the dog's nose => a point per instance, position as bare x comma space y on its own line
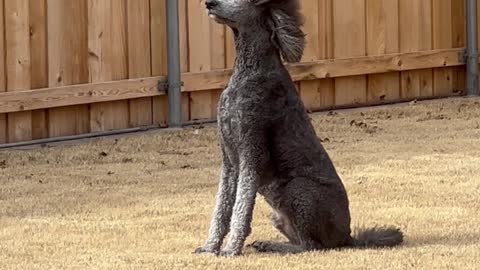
211, 4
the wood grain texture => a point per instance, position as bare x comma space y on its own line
21, 101
38, 43
206, 41
318, 94
310, 9
39, 66
139, 58
416, 35
18, 64
339, 67
230, 52
382, 38
218, 61
201, 81
350, 41
203, 104
158, 30
68, 62
158, 38
458, 41
442, 39
199, 37
217, 45
309, 90
183, 26
325, 32
199, 40
3, 75
478, 25
326, 51
107, 42
184, 53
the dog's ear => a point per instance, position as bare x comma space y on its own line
285, 22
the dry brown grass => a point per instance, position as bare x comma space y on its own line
144, 202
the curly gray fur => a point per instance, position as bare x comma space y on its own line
268, 145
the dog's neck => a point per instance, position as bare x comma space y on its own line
255, 51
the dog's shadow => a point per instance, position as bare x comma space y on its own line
414, 241
446, 240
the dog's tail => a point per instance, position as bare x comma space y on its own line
377, 237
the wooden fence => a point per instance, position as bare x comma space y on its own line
80, 66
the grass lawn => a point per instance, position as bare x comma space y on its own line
144, 201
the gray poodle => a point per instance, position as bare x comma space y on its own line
269, 146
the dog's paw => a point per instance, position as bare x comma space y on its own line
203, 250
229, 253
260, 246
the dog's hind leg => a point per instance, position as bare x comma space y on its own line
297, 242
282, 223
311, 215
277, 247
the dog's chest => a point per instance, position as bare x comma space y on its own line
229, 117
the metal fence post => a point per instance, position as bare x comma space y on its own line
173, 62
472, 49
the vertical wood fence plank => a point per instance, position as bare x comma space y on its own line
183, 25
458, 38
309, 9
39, 69
108, 59
18, 64
350, 39
184, 53
200, 55
67, 62
198, 37
309, 90
200, 105
326, 88
139, 57
207, 52
217, 45
218, 61
478, 25
326, 51
458, 24
416, 35
442, 39
383, 38
325, 32
229, 48
318, 94
3, 78
158, 30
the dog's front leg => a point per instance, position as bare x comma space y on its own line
251, 165
222, 213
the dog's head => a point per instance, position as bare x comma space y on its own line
281, 17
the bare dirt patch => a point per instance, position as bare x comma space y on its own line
144, 202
